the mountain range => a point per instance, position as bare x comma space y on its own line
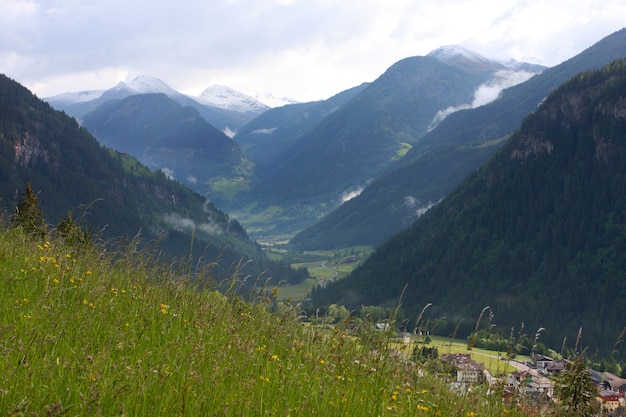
223, 107
482, 183
335, 157
536, 235
175, 139
461, 143
111, 193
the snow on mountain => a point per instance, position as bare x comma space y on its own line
272, 101
78, 97
451, 52
229, 99
145, 84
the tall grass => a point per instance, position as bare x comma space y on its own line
83, 333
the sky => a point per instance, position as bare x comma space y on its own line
302, 49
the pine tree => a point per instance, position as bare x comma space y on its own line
28, 215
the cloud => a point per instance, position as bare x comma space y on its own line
416, 207
184, 224
349, 195
265, 131
485, 93
308, 50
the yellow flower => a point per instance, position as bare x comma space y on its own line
421, 407
470, 414
322, 361
274, 357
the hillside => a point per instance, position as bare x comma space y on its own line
88, 332
435, 165
359, 141
166, 136
537, 234
271, 137
69, 170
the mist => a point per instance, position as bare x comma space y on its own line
184, 224
485, 93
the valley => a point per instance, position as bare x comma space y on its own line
349, 199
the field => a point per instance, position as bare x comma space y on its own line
323, 266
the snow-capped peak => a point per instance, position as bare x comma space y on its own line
450, 52
273, 101
145, 84
77, 97
229, 99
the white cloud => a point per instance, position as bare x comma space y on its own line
485, 93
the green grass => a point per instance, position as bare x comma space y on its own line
86, 333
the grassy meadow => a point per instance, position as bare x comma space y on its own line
88, 332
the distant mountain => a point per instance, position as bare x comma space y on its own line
67, 167
363, 138
537, 234
272, 137
273, 101
436, 164
225, 119
229, 99
166, 136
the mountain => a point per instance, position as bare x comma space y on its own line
274, 135
224, 119
363, 138
166, 136
537, 234
229, 99
69, 170
435, 165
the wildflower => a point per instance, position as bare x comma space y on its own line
68, 255
421, 407
88, 272
114, 290
163, 308
89, 358
394, 396
322, 362
274, 357
92, 376
470, 414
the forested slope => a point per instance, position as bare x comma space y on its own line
538, 233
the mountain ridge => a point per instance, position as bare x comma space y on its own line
433, 167
540, 226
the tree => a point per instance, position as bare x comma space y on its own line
28, 215
71, 233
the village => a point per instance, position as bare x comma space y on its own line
532, 384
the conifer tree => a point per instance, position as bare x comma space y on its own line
28, 215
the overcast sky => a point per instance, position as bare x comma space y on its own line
304, 49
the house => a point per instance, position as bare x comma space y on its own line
614, 383
530, 382
609, 400
547, 365
468, 371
